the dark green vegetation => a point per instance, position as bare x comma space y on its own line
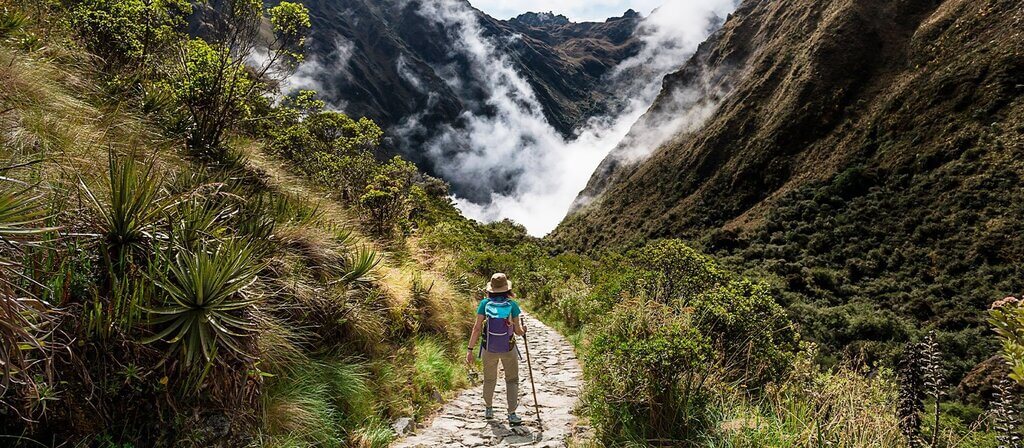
164, 282
679, 350
865, 158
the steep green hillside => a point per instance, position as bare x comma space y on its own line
866, 155
165, 281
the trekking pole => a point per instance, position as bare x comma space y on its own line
529, 367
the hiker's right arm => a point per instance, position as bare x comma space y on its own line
477, 327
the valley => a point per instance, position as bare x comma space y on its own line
728, 223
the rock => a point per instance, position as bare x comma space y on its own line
402, 426
519, 439
979, 383
447, 424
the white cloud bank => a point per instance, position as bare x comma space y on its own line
515, 144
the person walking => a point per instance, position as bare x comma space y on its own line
497, 317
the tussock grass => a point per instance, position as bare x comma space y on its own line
317, 402
841, 409
434, 368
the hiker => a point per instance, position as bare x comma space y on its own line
498, 315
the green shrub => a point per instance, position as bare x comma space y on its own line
384, 202
1007, 316
751, 331
123, 31
676, 271
647, 366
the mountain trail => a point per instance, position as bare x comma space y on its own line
558, 377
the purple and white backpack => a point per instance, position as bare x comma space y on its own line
498, 325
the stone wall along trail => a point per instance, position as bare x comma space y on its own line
556, 372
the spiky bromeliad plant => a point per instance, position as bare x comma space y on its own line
130, 212
22, 317
207, 301
127, 218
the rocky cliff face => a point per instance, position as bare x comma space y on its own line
391, 61
868, 153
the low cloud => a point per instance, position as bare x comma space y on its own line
506, 143
321, 75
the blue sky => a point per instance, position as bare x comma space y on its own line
576, 10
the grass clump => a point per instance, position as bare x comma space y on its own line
434, 369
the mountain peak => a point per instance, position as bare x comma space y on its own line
541, 19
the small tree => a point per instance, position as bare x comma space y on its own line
384, 202
212, 80
123, 32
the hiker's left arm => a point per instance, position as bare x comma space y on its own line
517, 326
477, 326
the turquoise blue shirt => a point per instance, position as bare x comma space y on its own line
483, 304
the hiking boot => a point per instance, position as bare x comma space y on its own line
514, 419
489, 413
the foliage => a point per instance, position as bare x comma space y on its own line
316, 401
125, 31
434, 370
384, 202
168, 258
338, 152
206, 302
23, 318
864, 268
211, 80
678, 272
815, 407
333, 149
130, 212
214, 91
1007, 316
648, 365
290, 23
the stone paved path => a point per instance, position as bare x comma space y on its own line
556, 372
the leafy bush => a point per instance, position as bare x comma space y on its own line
750, 330
384, 202
123, 31
1007, 316
677, 271
648, 365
